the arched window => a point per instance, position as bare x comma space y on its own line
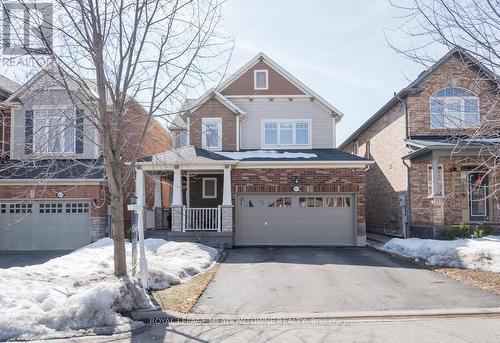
454, 108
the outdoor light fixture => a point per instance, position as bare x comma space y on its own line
133, 200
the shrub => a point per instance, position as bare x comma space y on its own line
481, 231
461, 231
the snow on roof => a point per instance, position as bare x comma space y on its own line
241, 155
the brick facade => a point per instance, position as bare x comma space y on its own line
317, 180
452, 73
387, 178
277, 84
213, 108
453, 208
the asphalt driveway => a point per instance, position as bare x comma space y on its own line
9, 259
270, 280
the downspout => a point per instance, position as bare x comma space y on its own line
237, 133
408, 196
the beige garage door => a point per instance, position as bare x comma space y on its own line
44, 225
305, 219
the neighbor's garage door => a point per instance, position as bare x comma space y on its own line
296, 220
44, 225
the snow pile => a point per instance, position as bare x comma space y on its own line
77, 293
478, 253
241, 155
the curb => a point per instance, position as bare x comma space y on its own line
153, 316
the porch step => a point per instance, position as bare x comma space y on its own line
214, 239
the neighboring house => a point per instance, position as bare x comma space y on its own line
425, 176
256, 164
53, 190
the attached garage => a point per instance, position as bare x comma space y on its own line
44, 225
290, 219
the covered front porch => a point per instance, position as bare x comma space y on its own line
201, 205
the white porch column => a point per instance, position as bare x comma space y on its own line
176, 206
227, 203
226, 197
177, 191
435, 175
158, 200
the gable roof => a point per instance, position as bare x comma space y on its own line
213, 93
306, 90
413, 87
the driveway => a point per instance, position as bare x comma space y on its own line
269, 280
10, 259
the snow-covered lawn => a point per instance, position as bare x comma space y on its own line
475, 253
77, 293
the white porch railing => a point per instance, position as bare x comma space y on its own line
201, 219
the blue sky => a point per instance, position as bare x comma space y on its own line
337, 48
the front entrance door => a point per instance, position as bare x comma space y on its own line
478, 196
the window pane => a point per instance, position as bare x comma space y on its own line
271, 133
347, 202
286, 133
439, 191
453, 113
471, 109
302, 202
209, 186
212, 132
302, 133
260, 79
318, 202
53, 131
437, 113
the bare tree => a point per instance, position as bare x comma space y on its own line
114, 55
471, 27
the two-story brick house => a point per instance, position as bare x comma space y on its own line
53, 190
427, 175
256, 164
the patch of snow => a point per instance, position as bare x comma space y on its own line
241, 155
475, 253
78, 293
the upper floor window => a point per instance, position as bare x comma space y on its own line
260, 79
54, 131
355, 147
211, 133
180, 138
286, 133
454, 108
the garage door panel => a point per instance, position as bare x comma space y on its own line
304, 219
51, 225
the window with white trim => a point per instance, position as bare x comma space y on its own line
454, 108
440, 183
211, 133
54, 131
286, 133
260, 79
209, 187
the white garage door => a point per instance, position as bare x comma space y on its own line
315, 219
44, 225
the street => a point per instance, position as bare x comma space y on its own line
464, 329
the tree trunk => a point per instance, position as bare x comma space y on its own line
117, 222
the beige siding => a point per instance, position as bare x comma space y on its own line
322, 123
49, 99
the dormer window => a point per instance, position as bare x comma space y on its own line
211, 133
260, 79
454, 108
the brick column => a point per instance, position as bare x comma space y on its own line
227, 218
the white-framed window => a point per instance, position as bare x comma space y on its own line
454, 108
440, 183
211, 133
286, 133
260, 79
209, 187
54, 131
180, 138
355, 148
